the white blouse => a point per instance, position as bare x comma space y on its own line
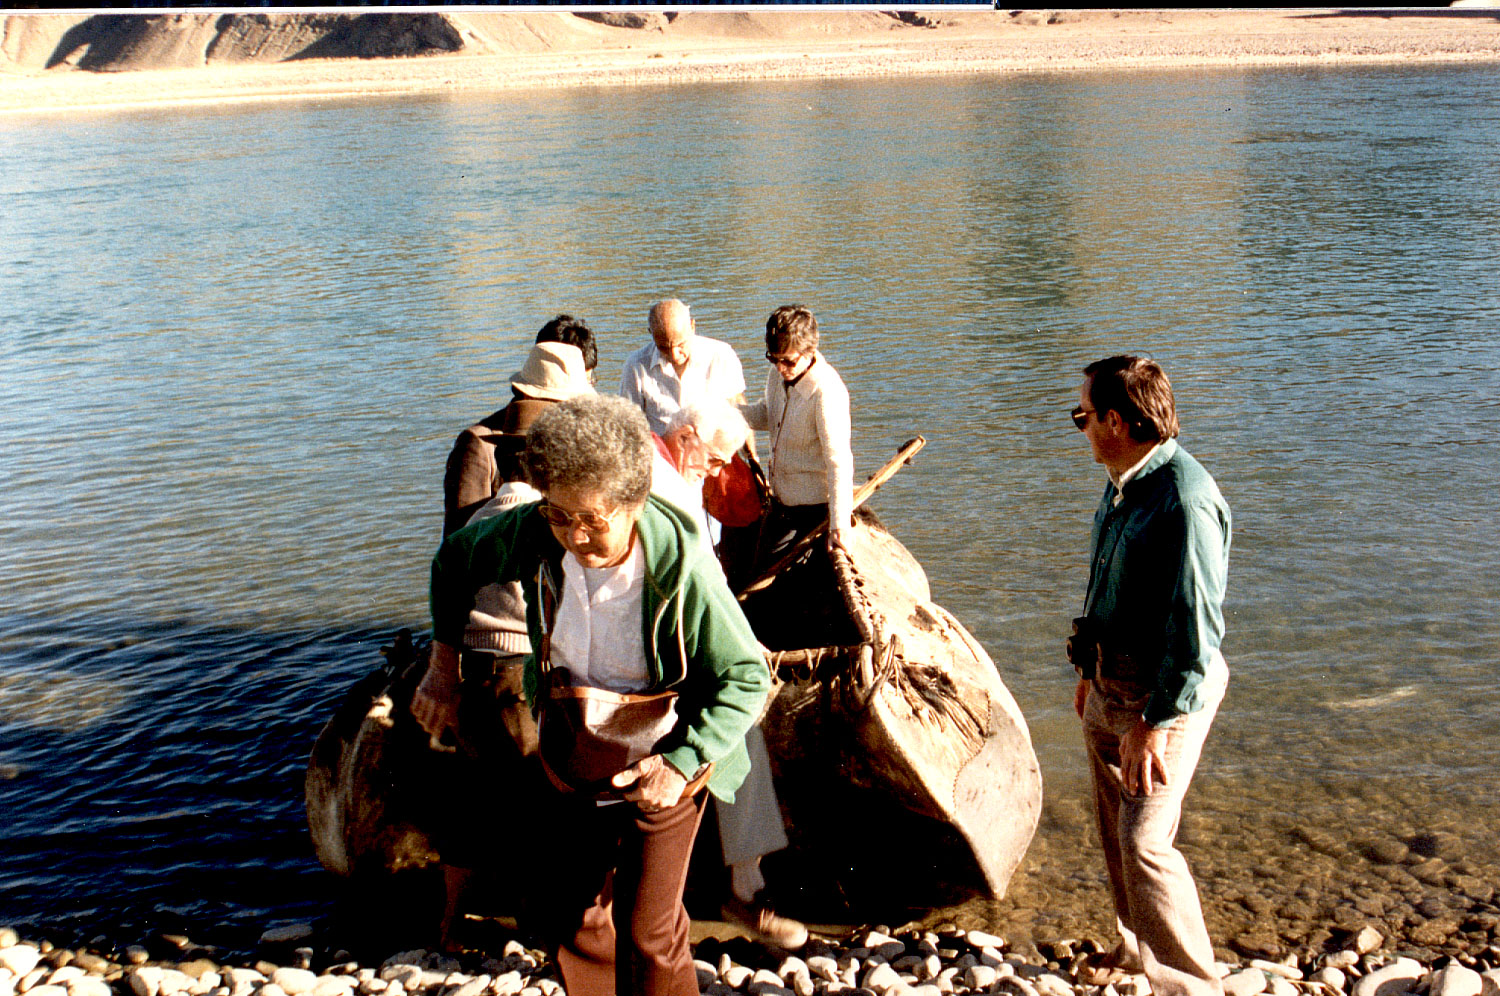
598, 633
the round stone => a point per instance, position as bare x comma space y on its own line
145, 980
62, 976
89, 985
294, 981
288, 934
1330, 977
1247, 982
981, 939
19, 959
1398, 977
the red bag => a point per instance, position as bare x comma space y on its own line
734, 497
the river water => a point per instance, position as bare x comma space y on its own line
235, 345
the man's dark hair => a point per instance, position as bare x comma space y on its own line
791, 329
573, 332
1136, 387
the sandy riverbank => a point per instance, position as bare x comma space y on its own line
531, 49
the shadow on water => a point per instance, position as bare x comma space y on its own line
152, 778
153, 783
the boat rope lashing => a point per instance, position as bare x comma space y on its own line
806, 663
883, 672
855, 600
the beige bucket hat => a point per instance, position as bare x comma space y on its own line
553, 372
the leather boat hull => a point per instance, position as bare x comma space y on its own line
901, 760
916, 718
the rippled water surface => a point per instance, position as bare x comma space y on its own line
235, 345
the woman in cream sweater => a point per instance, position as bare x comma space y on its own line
806, 413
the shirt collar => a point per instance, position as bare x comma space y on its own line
661, 361
603, 583
1154, 458
789, 384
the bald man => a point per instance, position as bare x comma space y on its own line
679, 368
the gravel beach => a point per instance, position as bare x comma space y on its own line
289, 961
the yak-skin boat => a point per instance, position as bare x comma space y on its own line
899, 755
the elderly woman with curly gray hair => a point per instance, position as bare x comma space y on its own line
622, 598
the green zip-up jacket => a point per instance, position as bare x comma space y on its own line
697, 640
1156, 580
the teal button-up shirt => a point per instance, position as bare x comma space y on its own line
1156, 580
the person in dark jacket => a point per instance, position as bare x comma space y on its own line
487, 453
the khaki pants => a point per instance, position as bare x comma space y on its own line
1156, 901
751, 826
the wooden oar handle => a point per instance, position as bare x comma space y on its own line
861, 495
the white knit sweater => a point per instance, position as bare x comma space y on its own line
497, 622
809, 426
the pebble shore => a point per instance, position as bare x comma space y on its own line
877, 960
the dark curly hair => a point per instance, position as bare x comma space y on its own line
573, 332
792, 329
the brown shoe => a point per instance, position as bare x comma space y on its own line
765, 923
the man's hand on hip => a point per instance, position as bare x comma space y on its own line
1143, 759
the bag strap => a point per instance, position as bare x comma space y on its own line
548, 593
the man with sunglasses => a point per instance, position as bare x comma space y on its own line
1151, 676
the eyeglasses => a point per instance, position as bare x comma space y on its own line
782, 360
592, 522
1081, 417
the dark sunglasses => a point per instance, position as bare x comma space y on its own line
781, 360
1081, 417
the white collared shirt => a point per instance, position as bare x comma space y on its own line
598, 633
1129, 475
713, 372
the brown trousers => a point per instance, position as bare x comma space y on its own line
617, 910
1156, 900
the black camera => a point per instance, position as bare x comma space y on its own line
1083, 648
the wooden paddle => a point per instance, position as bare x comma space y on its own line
861, 495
